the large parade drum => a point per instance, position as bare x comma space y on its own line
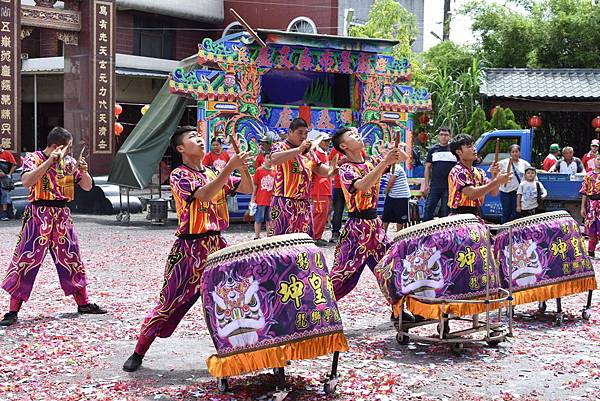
549, 258
267, 302
432, 264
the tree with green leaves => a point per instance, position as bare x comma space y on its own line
537, 34
503, 118
389, 20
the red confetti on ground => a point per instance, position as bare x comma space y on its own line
55, 354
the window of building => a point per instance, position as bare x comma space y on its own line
152, 38
234, 27
302, 25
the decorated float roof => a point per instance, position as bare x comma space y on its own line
326, 41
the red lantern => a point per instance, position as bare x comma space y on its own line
422, 137
423, 119
596, 123
535, 121
118, 129
118, 109
493, 111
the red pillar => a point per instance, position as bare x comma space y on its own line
10, 74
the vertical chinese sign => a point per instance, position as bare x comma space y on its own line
103, 68
10, 55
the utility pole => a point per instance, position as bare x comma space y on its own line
447, 17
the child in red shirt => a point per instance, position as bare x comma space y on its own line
264, 180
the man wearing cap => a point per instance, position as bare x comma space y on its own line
552, 157
588, 158
265, 149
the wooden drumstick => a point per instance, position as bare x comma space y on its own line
497, 150
396, 145
236, 149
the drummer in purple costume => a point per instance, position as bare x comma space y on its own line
200, 198
50, 175
363, 240
294, 164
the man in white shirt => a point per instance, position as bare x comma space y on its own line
568, 164
508, 191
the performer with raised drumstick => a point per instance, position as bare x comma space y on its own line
294, 164
468, 185
199, 194
363, 241
50, 175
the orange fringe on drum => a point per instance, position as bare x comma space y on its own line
551, 291
434, 311
276, 357
537, 294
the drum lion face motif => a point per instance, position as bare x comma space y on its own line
526, 262
422, 273
238, 310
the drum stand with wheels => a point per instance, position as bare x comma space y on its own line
495, 333
329, 386
559, 316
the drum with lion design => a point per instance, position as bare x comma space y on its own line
267, 302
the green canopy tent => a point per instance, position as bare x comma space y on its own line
136, 161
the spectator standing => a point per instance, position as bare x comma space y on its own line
264, 180
508, 191
438, 164
265, 149
552, 157
588, 158
338, 200
568, 164
321, 191
217, 157
397, 196
8, 165
529, 194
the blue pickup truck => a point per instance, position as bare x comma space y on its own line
563, 189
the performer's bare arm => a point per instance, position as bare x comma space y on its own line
29, 178
285, 155
86, 182
210, 190
426, 178
583, 204
492, 187
371, 178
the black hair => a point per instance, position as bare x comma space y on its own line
337, 139
298, 123
58, 136
514, 145
176, 137
530, 168
444, 129
216, 139
460, 140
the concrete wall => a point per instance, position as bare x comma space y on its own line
361, 15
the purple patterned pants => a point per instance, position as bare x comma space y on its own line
181, 287
45, 229
362, 242
291, 216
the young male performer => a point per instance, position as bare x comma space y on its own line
199, 194
50, 175
294, 163
362, 240
468, 185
